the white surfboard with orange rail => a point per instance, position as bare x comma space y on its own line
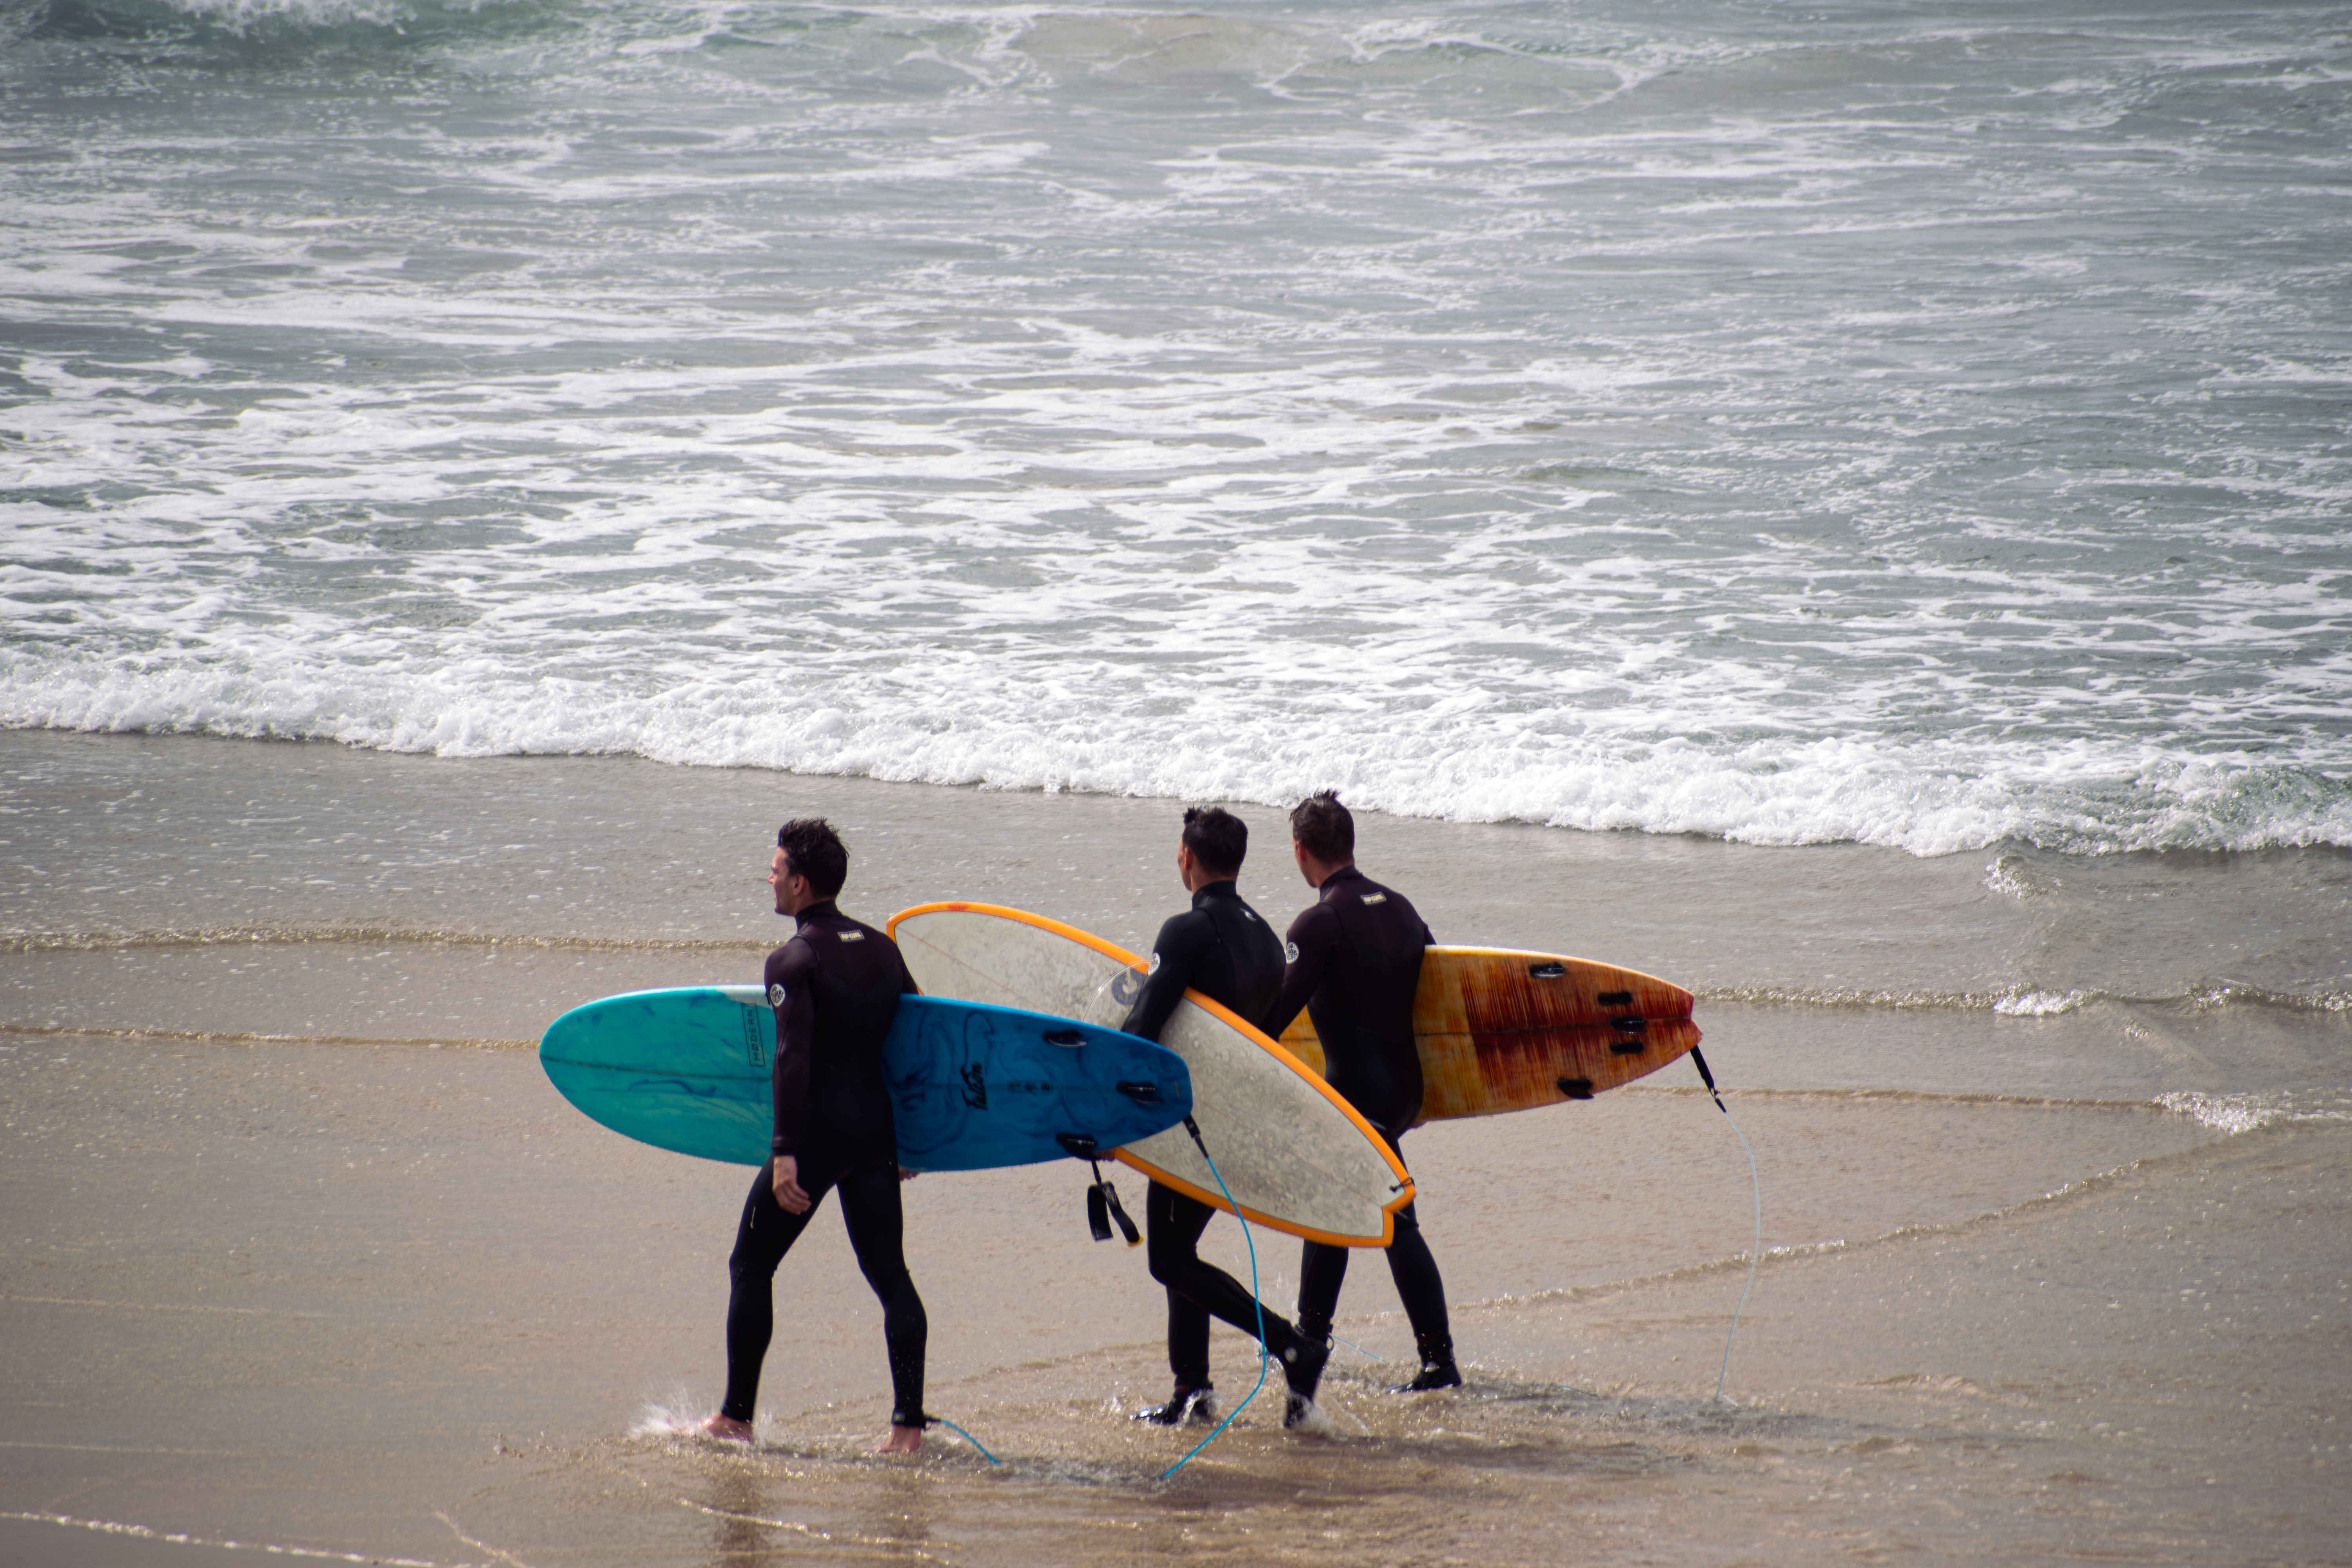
1296, 1156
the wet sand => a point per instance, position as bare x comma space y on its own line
399, 1301
299, 1255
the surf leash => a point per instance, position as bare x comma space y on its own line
1102, 1198
1193, 1128
1757, 1185
967, 1436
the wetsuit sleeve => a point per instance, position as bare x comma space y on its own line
1177, 949
1307, 953
792, 966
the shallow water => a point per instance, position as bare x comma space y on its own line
140, 840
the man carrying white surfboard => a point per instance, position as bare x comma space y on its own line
835, 987
1224, 948
1353, 961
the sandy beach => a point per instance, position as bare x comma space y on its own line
307, 1254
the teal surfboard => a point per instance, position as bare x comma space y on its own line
972, 1087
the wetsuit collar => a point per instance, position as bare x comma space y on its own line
1338, 877
1212, 892
823, 908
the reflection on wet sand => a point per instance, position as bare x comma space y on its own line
740, 1534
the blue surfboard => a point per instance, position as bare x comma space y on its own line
972, 1087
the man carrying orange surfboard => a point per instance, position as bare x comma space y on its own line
1224, 948
1353, 961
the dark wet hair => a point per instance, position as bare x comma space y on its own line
1322, 827
813, 850
1217, 838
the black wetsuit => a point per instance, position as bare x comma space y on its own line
1353, 963
835, 989
1223, 949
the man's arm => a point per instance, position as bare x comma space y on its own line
1175, 954
793, 995
1305, 954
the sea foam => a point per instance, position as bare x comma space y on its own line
940, 724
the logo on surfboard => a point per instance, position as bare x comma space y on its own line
755, 1036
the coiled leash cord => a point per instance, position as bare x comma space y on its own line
1757, 1185
1189, 1126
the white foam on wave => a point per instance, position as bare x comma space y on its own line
1079, 725
2039, 1004
2236, 1113
247, 16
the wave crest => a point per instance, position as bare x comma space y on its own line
1095, 728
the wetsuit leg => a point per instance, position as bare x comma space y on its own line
1323, 1269
1418, 1285
1174, 1222
1176, 1264
762, 1237
877, 1225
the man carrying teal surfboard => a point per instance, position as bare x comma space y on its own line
1352, 959
835, 987
1222, 948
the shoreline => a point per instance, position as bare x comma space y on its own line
190, 834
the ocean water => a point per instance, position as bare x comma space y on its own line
1920, 427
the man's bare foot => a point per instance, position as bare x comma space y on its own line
727, 1429
901, 1440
